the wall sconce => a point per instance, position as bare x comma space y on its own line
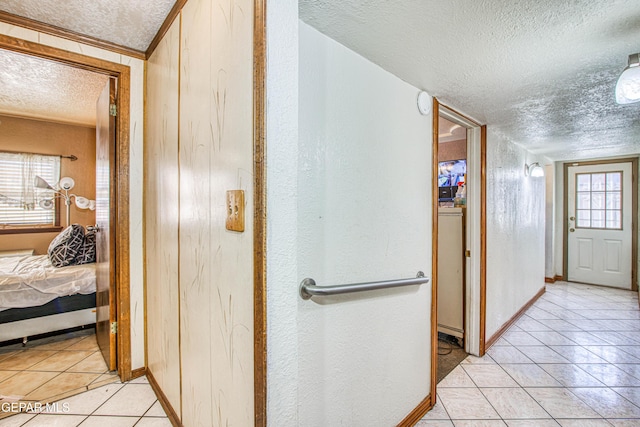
62, 191
628, 86
533, 170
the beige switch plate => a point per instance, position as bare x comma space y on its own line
235, 210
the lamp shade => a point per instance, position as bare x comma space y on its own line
82, 202
533, 170
46, 204
66, 183
41, 183
628, 86
536, 171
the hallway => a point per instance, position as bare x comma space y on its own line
573, 359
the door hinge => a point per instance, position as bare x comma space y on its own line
114, 328
113, 110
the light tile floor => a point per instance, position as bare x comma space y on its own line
573, 359
114, 405
50, 368
69, 373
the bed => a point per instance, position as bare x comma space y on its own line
38, 298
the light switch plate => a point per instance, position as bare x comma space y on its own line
235, 210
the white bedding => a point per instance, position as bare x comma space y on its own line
28, 281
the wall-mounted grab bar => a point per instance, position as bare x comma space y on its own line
309, 289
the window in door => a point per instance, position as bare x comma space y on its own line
599, 200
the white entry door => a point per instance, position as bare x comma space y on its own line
600, 224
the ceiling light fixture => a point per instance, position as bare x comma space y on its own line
533, 170
628, 86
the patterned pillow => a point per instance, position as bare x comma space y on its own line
64, 248
87, 252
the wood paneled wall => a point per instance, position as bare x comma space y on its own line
199, 282
162, 216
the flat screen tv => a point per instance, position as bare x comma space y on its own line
451, 172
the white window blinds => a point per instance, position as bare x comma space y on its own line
18, 197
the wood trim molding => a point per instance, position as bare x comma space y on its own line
419, 412
469, 119
514, 318
164, 401
434, 251
565, 219
260, 213
483, 239
121, 226
121, 204
41, 27
634, 227
65, 57
549, 280
145, 154
173, 14
137, 373
49, 229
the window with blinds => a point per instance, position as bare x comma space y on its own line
19, 199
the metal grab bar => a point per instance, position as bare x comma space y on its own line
309, 289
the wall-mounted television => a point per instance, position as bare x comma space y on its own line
451, 172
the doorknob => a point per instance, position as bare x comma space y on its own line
572, 230
93, 228
573, 218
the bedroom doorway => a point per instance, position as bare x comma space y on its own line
472, 308
118, 202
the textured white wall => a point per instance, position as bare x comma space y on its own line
558, 216
282, 191
364, 214
136, 110
549, 221
515, 231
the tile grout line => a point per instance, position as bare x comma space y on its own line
568, 388
587, 336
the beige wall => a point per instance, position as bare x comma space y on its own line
199, 144
452, 150
21, 134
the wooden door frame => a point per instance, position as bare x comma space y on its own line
260, 213
634, 214
483, 239
121, 184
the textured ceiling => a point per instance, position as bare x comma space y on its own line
540, 73
37, 88
449, 131
130, 23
